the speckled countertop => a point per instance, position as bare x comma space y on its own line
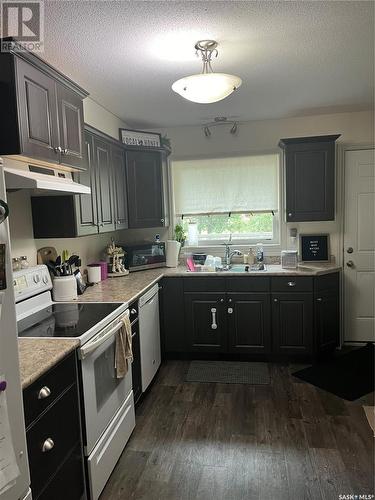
129, 288
37, 356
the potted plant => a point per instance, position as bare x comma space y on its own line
179, 234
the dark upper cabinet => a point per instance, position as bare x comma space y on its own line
292, 323
206, 322
37, 113
71, 127
249, 325
42, 112
309, 178
104, 184
86, 216
146, 202
120, 187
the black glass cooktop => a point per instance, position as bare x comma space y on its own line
64, 320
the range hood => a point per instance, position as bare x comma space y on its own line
19, 175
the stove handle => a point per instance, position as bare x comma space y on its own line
100, 338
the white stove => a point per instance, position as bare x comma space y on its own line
108, 402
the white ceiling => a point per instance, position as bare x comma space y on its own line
294, 57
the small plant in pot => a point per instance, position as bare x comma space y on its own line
180, 234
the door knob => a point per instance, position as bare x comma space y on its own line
350, 263
349, 250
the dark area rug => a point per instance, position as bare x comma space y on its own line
228, 372
348, 376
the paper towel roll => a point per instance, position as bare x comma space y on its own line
173, 250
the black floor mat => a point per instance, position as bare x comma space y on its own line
349, 376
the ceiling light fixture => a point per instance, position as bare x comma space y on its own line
206, 87
220, 120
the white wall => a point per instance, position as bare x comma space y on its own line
261, 136
90, 248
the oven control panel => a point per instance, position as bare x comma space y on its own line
31, 281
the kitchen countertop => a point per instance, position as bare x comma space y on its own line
37, 356
129, 288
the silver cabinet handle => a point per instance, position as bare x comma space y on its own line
230, 310
64, 151
57, 149
275, 300
350, 250
133, 311
319, 299
44, 392
292, 283
350, 263
221, 300
162, 221
214, 324
290, 214
229, 300
47, 445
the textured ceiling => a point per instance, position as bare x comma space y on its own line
294, 57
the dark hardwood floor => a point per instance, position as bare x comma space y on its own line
287, 440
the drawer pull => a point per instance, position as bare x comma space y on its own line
275, 300
44, 392
292, 283
319, 299
48, 445
133, 311
214, 324
230, 310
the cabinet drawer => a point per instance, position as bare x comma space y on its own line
209, 284
61, 425
248, 284
69, 480
327, 282
54, 382
292, 284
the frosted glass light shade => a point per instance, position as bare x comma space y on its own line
205, 88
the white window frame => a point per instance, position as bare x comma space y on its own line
273, 246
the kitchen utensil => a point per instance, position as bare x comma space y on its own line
46, 254
81, 285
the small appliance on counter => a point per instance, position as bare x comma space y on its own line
144, 256
289, 259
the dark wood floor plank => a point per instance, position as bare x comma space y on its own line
287, 440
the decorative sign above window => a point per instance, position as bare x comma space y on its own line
314, 247
140, 138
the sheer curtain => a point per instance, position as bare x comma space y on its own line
224, 185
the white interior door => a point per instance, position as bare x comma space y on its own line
359, 246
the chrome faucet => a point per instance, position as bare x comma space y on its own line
228, 254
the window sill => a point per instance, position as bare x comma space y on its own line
270, 249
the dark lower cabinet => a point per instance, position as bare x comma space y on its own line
53, 434
292, 323
282, 315
326, 320
206, 322
249, 325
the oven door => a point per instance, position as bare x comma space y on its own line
103, 393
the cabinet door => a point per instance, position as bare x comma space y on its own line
310, 181
292, 323
327, 320
70, 111
104, 186
120, 193
205, 322
37, 113
145, 189
172, 318
249, 324
86, 206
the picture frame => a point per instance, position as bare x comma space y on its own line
314, 247
140, 138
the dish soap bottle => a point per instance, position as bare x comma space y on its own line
251, 257
259, 253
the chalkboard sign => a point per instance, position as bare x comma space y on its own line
314, 247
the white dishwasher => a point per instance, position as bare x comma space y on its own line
149, 335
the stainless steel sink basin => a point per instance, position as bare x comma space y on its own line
243, 268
